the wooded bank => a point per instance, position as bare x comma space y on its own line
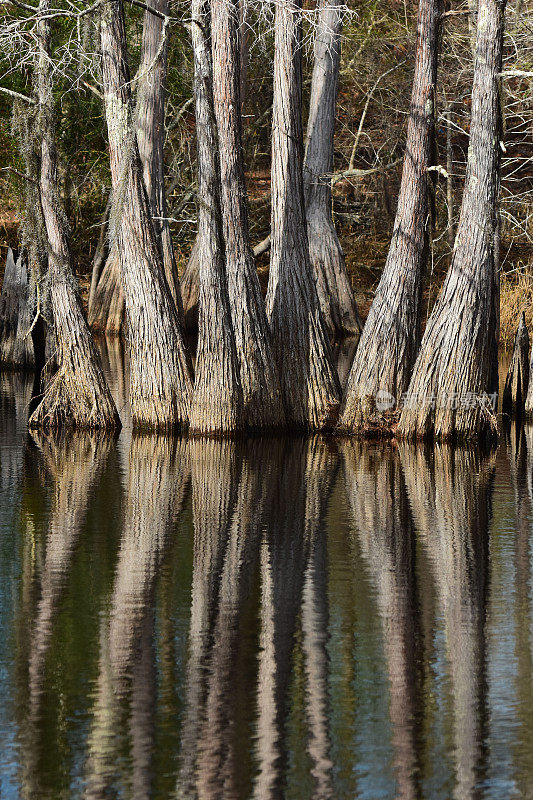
260, 363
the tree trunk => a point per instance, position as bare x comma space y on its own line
106, 307
389, 343
217, 405
516, 384
100, 254
457, 364
263, 406
105, 311
310, 384
337, 302
16, 345
150, 124
450, 233
77, 395
190, 279
190, 290
160, 369
106, 300
529, 395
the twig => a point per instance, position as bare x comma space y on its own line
20, 174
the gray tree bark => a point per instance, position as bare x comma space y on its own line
16, 345
190, 290
337, 301
160, 369
190, 278
457, 364
217, 405
77, 395
150, 125
516, 383
389, 343
106, 310
309, 380
263, 405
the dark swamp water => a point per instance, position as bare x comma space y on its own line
284, 618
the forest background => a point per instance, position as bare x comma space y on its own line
378, 49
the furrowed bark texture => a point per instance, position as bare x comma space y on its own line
160, 369
516, 383
190, 278
150, 124
337, 302
310, 384
217, 405
389, 343
16, 346
190, 289
106, 300
263, 405
105, 313
77, 395
458, 355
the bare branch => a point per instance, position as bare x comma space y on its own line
18, 96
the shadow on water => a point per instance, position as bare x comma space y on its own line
277, 618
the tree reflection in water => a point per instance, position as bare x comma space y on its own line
315, 618
383, 526
75, 464
158, 476
450, 493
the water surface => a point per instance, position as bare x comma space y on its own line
280, 618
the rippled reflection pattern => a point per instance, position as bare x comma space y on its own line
273, 618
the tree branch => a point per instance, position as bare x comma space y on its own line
18, 96
362, 173
20, 174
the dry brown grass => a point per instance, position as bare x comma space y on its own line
516, 295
